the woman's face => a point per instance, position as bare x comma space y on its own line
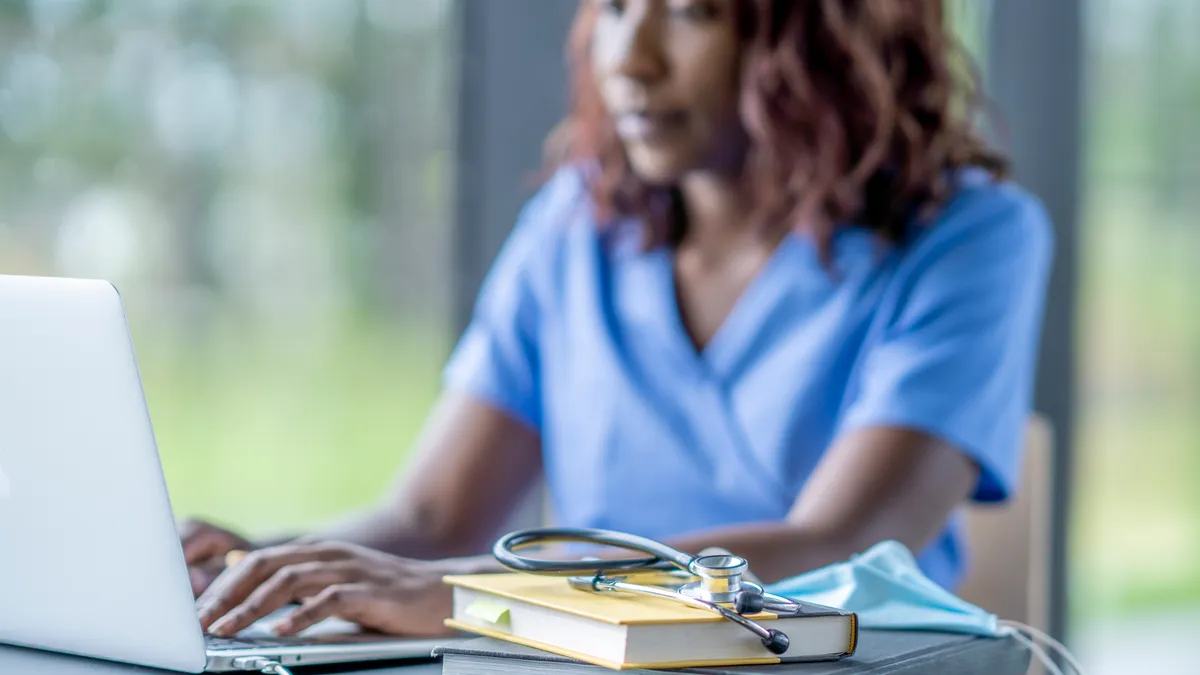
668, 75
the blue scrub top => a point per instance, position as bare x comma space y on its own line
577, 333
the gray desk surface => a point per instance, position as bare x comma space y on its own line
990, 657
16, 661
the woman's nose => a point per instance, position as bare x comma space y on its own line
638, 54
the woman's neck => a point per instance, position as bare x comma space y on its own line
718, 214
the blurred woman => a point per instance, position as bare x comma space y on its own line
778, 296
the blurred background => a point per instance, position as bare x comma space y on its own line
298, 198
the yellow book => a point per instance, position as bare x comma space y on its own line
628, 631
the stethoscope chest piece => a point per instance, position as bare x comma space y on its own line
720, 579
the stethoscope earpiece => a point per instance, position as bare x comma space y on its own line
748, 602
720, 588
777, 642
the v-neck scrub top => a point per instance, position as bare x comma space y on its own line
577, 333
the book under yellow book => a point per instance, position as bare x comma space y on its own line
631, 631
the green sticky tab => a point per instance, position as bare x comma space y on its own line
488, 611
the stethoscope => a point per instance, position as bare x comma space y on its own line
720, 589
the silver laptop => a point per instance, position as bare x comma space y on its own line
90, 559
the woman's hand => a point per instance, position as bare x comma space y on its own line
204, 547
375, 590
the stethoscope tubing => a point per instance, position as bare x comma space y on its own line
664, 557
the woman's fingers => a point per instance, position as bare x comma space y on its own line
346, 601
203, 574
236, 584
202, 541
287, 585
206, 544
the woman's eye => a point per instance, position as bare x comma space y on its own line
615, 7
695, 10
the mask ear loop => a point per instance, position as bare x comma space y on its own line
1038, 653
1018, 631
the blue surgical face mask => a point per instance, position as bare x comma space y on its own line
887, 590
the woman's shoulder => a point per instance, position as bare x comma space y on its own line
560, 202
546, 234
560, 206
995, 218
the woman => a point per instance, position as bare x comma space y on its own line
778, 297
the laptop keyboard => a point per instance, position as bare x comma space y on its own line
213, 642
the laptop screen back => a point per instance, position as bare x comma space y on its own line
90, 561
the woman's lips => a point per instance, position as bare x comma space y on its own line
649, 126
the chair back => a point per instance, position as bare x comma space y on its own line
1009, 544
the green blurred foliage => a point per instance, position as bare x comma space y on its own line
1136, 529
267, 183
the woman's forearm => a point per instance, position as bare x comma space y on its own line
389, 531
873, 484
775, 550
376, 528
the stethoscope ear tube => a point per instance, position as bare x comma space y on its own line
664, 557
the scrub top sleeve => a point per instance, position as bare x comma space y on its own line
958, 356
496, 359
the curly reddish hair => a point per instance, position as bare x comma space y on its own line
854, 108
